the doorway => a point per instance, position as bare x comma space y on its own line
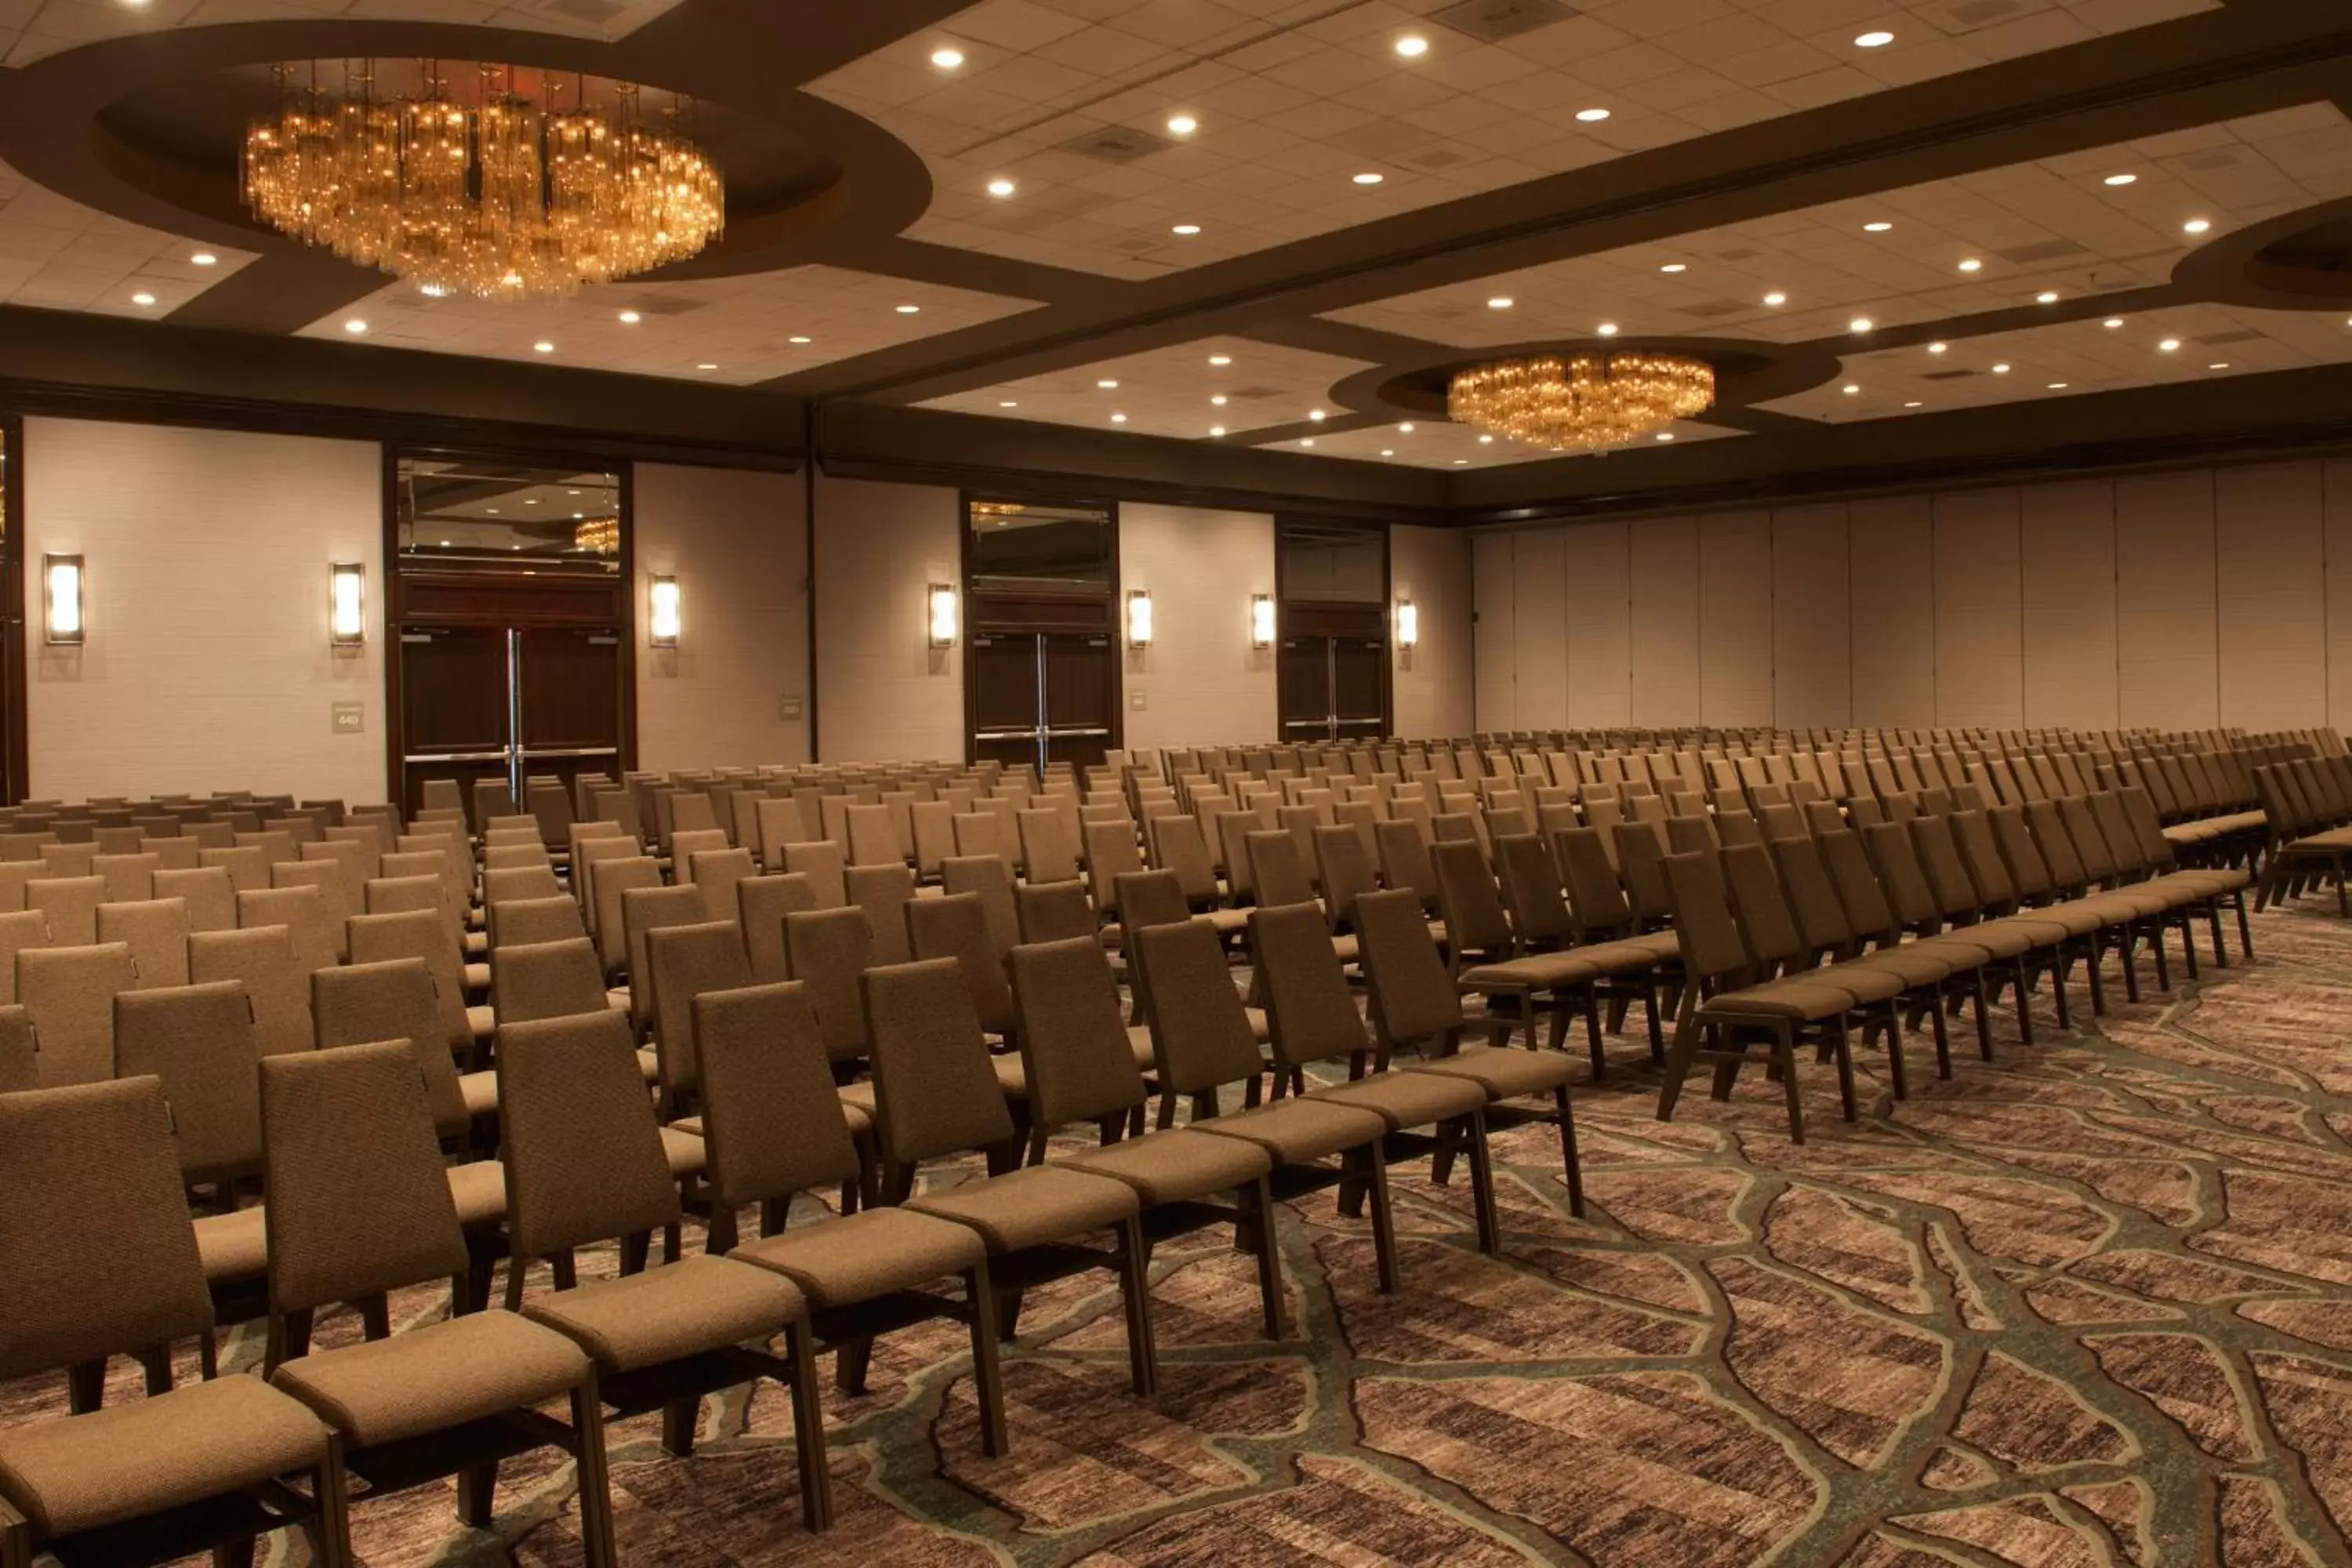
511, 616
1332, 676
1043, 697
1040, 664
1333, 687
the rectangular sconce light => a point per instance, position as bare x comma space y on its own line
1408, 627
61, 599
1261, 620
665, 618
941, 607
1138, 618
346, 603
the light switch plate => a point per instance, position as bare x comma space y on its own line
791, 707
349, 718
1135, 701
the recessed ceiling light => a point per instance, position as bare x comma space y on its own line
531, 500
1369, 179
355, 327
1107, 385
705, 364
1665, 434
1850, 388
1008, 403
205, 259
947, 57
1776, 297
2196, 226
1306, 440
2225, 365
1938, 348
1405, 430
1461, 462
630, 317
2000, 370
1861, 324
1878, 39
542, 347
1181, 125
2057, 386
1000, 187
1388, 451
1592, 116
142, 298
1217, 429
908, 309
1972, 265
1118, 418
1186, 229
493, 511
2169, 346
1607, 329
1218, 401
1500, 303
1412, 46
1221, 358
1879, 228
799, 340
2112, 322
2047, 297
1316, 415
1485, 440
1915, 405
2121, 179
433, 291
1676, 267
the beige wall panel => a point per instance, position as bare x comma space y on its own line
2165, 646
737, 542
206, 665
1979, 669
1540, 608
883, 693
1432, 682
1735, 619
1201, 683
1599, 589
1496, 645
1662, 562
2270, 594
1812, 664
1891, 555
2069, 588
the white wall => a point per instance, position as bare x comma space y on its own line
1433, 686
884, 693
738, 544
1201, 681
206, 665
2216, 595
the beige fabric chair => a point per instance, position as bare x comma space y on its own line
820, 861
397, 1000
303, 912
96, 1244
248, 867
20, 1051
423, 935
718, 873
762, 904
883, 892
19, 930
956, 927
71, 904
343, 897
68, 993
199, 1042
828, 950
349, 1129
584, 1164
614, 880
521, 922
644, 911
277, 987
209, 895
129, 879
504, 882
156, 932
682, 962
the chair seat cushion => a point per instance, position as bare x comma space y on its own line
2208, 884
1864, 980
1629, 955
1537, 971
477, 944
617, 998
1011, 1074
482, 1021
1228, 922
1912, 967
1297, 1132
436, 1377
649, 1065
1799, 1001
1505, 1072
478, 977
480, 1189
1407, 1099
1999, 939
232, 1247
699, 1303
1138, 1043
480, 1090
856, 1101
2077, 918
1177, 1164
841, 1262
687, 1153
1025, 1208
2041, 930
144, 1455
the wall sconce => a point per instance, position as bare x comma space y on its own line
665, 617
1138, 618
61, 599
1408, 625
346, 603
1261, 620
940, 603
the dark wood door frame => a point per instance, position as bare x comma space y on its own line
15, 759
1032, 613
1323, 617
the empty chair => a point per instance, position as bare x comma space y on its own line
762, 904
1055, 911
614, 880
422, 934
69, 992
277, 987
129, 879
501, 883
199, 1041
827, 951
19, 1071
71, 905
717, 872
1047, 847
529, 920
989, 880
303, 912
820, 861
644, 911
156, 932
682, 962
547, 980
394, 1000
343, 897
956, 927
209, 895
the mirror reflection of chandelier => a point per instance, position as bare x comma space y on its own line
497, 193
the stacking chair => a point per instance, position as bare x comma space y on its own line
302, 911
614, 880
397, 1000
584, 1164
347, 1131
95, 1237
129, 879
682, 962
1315, 1019
277, 987
18, 1049
207, 893
198, 1042
424, 935
955, 926
501, 883
644, 911
521, 922
989, 879
762, 904
827, 950
935, 1096
1055, 911
68, 993
1045, 846
774, 1128
883, 892
342, 896
71, 905
156, 932
820, 861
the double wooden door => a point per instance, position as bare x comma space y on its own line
1333, 687
485, 700
1043, 696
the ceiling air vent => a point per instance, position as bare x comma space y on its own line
595, 11
2206, 162
664, 304
1713, 310
1252, 394
2222, 339
1946, 374
1495, 20
1436, 158
1116, 145
2047, 250
1742, 253
1978, 12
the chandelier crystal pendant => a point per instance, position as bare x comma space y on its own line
500, 195
1584, 401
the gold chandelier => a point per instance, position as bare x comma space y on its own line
1582, 402
502, 196
597, 536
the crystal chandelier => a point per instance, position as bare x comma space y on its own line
502, 196
1582, 402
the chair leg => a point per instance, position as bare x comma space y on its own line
2058, 988
1842, 1053
2163, 968
1895, 1075
679, 1419
1593, 1039
1473, 1129
1784, 1056
331, 1531
1135, 1288
237, 1553
808, 1431
1376, 1160
2245, 929
478, 1487
1259, 1194
1680, 1055
1562, 1113
1440, 1162
2098, 981
2024, 1001
596, 1481
987, 1373
1984, 1014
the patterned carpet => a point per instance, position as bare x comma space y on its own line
2089, 1305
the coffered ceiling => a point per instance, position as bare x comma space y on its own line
1314, 210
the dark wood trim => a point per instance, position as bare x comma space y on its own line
395, 770
810, 600
627, 473
16, 750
